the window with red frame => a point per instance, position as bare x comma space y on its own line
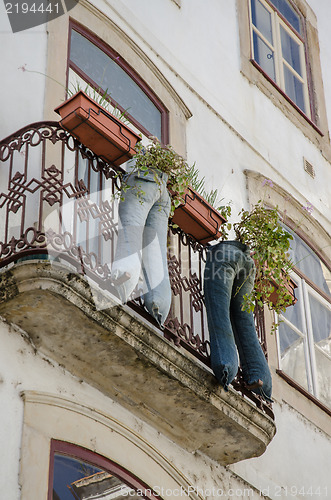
97, 64
78, 474
279, 48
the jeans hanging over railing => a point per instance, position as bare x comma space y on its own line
57, 202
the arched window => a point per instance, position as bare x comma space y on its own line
78, 473
97, 64
304, 335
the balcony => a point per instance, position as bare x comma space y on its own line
58, 236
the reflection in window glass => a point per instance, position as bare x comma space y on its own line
304, 336
107, 74
78, 480
264, 56
289, 13
305, 259
262, 19
294, 88
323, 378
292, 350
321, 322
279, 50
291, 51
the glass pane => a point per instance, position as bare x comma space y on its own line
293, 313
323, 365
264, 56
289, 13
321, 321
292, 354
326, 278
111, 77
262, 19
294, 88
75, 479
309, 263
290, 50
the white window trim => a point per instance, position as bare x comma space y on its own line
306, 334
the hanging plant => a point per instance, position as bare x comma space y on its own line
260, 229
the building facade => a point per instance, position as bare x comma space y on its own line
97, 400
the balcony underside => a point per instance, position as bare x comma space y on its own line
109, 347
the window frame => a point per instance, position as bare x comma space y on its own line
278, 21
315, 129
306, 286
110, 52
78, 452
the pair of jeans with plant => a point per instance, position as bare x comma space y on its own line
229, 275
141, 252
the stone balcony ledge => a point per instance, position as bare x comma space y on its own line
110, 347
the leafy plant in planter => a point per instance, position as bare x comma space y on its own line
220, 211
90, 116
269, 242
234, 284
156, 158
189, 208
99, 130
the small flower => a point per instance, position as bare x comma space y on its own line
309, 207
23, 67
268, 181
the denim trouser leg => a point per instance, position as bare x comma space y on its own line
252, 359
142, 244
217, 291
157, 298
229, 275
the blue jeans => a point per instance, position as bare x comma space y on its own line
229, 275
142, 243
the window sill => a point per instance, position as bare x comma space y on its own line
288, 99
303, 391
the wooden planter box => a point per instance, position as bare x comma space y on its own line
97, 129
290, 286
198, 218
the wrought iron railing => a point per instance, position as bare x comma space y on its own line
59, 201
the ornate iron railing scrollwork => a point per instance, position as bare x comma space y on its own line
59, 201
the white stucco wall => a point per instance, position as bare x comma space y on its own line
22, 93
294, 463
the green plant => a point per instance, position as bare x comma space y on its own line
153, 158
212, 196
198, 184
102, 98
261, 230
